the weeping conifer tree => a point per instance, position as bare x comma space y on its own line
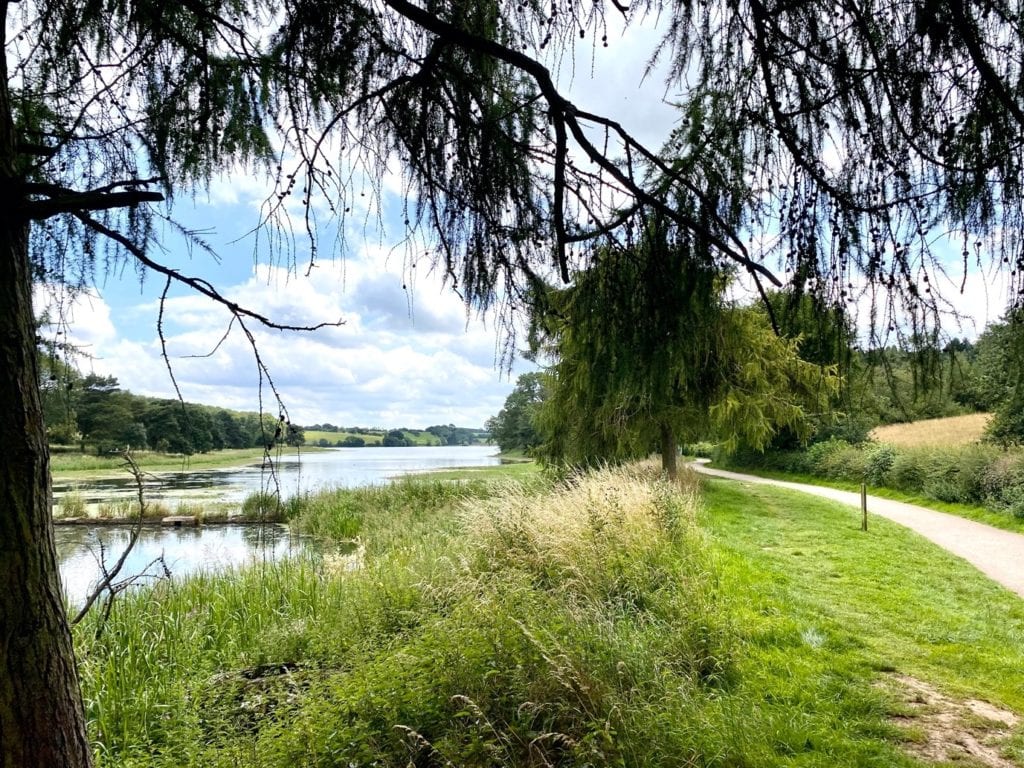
673, 361
854, 130
624, 381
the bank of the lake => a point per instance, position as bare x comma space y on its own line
66, 465
614, 620
219, 484
228, 493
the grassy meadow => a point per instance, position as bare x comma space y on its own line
80, 465
608, 620
950, 431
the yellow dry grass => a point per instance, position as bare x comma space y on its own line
951, 431
575, 530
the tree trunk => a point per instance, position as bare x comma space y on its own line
42, 722
669, 449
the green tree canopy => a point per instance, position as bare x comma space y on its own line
513, 428
999, 370
674, 361
833, 139
395, 438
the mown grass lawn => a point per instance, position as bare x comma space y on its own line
826, 613
993, 517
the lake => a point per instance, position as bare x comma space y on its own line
187, 550
293, 473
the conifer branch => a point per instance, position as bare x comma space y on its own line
197, 284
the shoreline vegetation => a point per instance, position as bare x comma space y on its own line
66, 466
72, 468
610, 618
70, 507
74, 465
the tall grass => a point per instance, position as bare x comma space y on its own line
487, 626
394, 514
71, 504
589, 623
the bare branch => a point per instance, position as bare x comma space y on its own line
106, 583
196, 283
72, 202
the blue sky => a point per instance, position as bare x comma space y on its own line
404, 357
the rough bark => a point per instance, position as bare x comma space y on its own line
42, 722
668, 452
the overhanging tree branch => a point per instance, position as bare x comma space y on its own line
562, 110
60, 199
195, 283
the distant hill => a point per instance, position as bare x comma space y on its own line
329, 435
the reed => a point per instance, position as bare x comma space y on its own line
71, 504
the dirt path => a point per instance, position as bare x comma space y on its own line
996, 553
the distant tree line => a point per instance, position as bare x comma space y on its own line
95, 413
357, 437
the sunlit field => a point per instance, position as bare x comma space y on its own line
953, 430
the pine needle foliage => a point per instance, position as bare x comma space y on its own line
648, 353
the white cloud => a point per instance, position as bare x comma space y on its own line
403, 357
81, 319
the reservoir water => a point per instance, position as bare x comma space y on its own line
187, 550
292, 473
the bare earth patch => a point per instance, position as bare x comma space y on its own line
942, 729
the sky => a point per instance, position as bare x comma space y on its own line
407, 354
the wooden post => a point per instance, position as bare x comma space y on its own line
863, 506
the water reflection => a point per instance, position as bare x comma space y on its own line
184, 550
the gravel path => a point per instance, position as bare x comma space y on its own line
996, 553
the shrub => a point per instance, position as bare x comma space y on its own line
262, 506
940, 478
1013, 500
957, 475
1003, 482
819, 457
879, 460
845, 462
963, 474
908, 473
